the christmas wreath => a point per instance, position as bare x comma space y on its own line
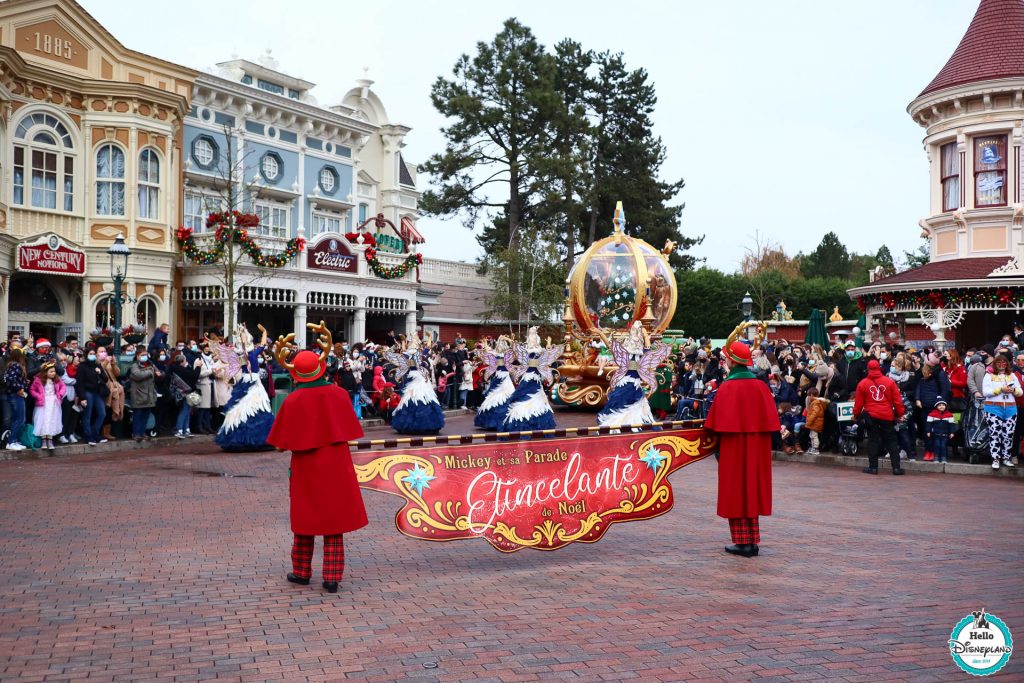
232, 226
391, 272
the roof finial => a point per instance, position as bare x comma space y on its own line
620, 217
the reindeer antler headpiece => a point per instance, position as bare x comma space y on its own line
307, 366
741, 353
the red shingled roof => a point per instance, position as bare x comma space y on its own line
992, 48
955, 269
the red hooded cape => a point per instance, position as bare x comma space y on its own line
315, 423
744, 417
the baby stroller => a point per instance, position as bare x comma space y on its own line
975, 433
850, 438
126, 422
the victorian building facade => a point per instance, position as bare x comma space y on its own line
972, 113
90, 148
256, 140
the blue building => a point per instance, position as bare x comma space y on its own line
256, 140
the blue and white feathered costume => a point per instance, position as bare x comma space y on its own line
529, 409
418, 411
247, 416
491, 413
627, 401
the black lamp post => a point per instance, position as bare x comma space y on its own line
119, 254
747, 307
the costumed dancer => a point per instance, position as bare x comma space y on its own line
637, 361
500, 388
315, 423
744, 417
529, 409
247, 415
418, 411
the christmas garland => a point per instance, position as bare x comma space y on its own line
391, 272
368, 238
230, 226
1000, 297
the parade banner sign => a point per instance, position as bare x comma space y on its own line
542, 494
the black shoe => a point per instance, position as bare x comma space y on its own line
331, 586
870, 470
298, 579
742, 549
754, 550
898, 470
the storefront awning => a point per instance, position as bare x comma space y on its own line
409, 232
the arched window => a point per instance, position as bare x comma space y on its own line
105, 311
149, 184
44, 164
145, 314
109, 180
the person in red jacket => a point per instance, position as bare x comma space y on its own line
315, 423
743, 415
880, 398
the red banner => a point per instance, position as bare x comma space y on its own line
49, 254
542, 494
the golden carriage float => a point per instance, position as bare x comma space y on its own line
618, 280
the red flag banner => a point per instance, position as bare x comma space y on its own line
542, 494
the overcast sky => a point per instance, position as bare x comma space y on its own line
784, 117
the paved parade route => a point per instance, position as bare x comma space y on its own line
153, 565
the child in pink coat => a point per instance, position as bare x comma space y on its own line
48, 392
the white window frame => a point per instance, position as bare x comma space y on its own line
63, 152
275, 219
208, 203
321, 220
196, 155
276, 175
328, 172
148, 185
109, 183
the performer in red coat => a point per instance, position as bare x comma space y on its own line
315, 423
744, 417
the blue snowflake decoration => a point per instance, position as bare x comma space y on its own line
418, 479
654, 458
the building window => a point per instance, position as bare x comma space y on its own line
149, 184
270, 167
990, 170
105, 311
950, 177
273, 219
204, 151
269, 87
110, 180
44, 156
328, 179
197, 206
326, 222
363, 210
145, 314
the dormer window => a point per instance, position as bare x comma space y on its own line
270, 87
990, 170
950, 177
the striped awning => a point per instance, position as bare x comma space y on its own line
409, 232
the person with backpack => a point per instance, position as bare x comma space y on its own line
879, 398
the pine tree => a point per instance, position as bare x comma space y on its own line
829, 259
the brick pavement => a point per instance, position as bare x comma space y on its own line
153, 566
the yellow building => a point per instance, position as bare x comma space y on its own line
90, 148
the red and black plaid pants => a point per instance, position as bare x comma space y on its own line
745, 530
334, 557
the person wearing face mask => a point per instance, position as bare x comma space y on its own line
142, 377
70, 409
92, 385
115, 392
206, 367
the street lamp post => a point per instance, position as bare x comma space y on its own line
119, 254
747, 306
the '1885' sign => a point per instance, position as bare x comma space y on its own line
331, 253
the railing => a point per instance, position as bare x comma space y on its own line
443, 272
385, 304
331, 300
202, 294
266, 296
